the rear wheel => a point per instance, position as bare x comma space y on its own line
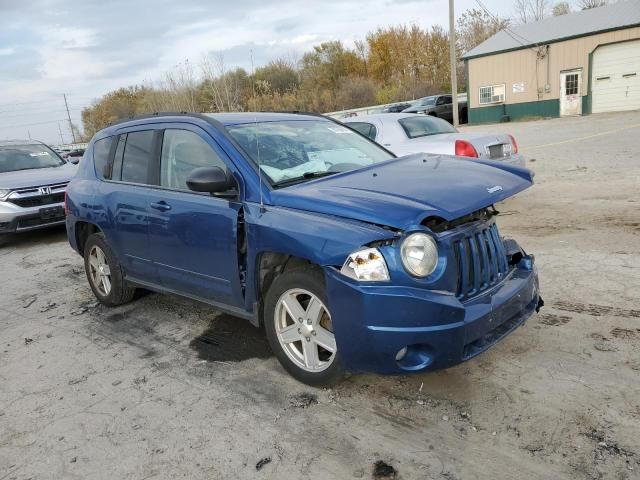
299, 327
104, 273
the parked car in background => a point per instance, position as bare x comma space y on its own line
351, 258
395, 108
33, 179
406, 133
439, 106
74, 156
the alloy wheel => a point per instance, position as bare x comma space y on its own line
304, 330
99, 270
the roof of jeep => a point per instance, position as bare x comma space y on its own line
236, 118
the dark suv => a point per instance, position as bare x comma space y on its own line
350, 257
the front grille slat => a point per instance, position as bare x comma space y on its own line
27, 202
482, 261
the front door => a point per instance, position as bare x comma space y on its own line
571, 93
193, 236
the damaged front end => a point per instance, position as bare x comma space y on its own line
480, 289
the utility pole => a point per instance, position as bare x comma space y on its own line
60, 130
73, 134
452, 52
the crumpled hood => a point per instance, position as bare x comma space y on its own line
37, 176
404, 191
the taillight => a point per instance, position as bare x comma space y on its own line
514, 145
465, 149
66, 204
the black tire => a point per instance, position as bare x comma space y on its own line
311, 279
120, 292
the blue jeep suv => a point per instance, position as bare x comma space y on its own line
351, 258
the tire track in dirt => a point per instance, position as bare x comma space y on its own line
595, 310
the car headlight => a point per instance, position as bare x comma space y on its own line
4, 192
366, 265
419, 254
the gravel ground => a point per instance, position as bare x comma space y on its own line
167, 388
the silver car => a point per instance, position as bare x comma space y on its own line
406, 133
33, 179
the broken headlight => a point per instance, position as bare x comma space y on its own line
366, 265
419, 254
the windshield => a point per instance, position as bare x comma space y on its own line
424, 125
298, 150
27, 157
427, 101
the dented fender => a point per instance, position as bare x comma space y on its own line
324, 240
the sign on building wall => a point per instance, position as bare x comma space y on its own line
518, 87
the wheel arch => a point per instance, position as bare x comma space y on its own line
83, 230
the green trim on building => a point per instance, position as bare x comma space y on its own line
515, 111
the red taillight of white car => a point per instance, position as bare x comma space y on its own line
514, 145
465, 149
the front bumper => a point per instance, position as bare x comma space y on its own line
372, 323
14, 218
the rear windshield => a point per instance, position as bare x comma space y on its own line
425, 125
14, 158
299, 150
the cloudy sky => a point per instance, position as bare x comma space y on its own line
85, 48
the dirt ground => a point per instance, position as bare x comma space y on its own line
167, 388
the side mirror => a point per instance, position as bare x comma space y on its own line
210, 180
74, 160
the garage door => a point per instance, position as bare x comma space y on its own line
616, 77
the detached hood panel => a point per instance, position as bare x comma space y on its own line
402, 192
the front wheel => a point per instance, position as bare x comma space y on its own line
104, 273
299, 327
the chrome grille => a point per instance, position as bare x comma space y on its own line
482, 261
38, 196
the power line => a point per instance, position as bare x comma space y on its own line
507, 30
32, 124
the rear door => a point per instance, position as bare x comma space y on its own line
444, 107
193, 235
128, 196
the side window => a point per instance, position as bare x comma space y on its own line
101, 151
182, 152
137, 157
366, 129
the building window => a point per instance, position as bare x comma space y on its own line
571, 84
492, 94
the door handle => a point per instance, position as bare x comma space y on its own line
161, 205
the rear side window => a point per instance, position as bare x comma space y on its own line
101, 150
137, 157
366, 129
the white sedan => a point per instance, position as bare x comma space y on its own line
407, 133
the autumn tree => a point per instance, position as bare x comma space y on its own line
475, 26
561, 8
589, 4
116, 105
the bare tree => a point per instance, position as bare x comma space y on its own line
589, 4
531, 10
561, 8
223, 89
176, 92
